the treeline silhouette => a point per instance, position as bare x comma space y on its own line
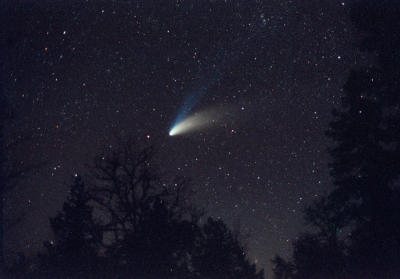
124, 222
356, 228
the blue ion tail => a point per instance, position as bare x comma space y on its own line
188, 105
199, 89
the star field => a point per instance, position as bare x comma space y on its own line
79, 74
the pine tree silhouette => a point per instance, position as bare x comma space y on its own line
357, 226
73, 252
365, 159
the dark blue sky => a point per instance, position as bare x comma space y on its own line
79, 74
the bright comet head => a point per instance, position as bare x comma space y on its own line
171, 132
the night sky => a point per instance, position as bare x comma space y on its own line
270, 72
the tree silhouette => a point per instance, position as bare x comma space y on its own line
365, 164
73, 252
357, 226
159, 247
282, 269
320, 254
127, 223
152, 228
365, 170
125, 189
220, 255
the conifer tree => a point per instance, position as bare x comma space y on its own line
73, 252
360, 219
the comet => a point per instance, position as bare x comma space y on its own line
195, 122
209, 73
